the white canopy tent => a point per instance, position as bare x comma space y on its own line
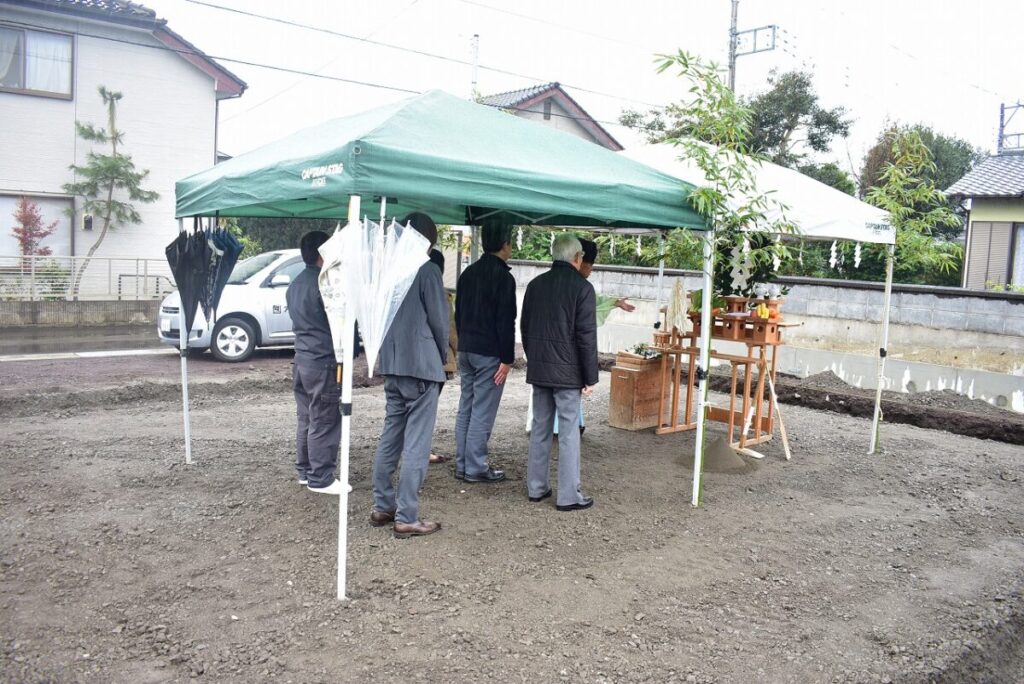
819, 212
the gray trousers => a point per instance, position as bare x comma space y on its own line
478, 406
547, 401
318, 430
408, 429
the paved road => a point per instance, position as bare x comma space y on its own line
56, 340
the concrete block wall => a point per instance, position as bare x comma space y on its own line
945, 309
973, 342
64, 313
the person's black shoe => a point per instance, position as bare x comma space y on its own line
489, 475
587, 502
538, 499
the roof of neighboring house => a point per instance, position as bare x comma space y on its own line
134, 14
1001, 175
525, 98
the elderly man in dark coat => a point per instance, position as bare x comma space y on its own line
559, 332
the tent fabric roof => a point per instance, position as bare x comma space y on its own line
461, 162
818, 210
998, 176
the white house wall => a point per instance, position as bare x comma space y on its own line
167, 116
560, 119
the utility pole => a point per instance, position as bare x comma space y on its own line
1009, 142
475, 48
733, 40
762, 39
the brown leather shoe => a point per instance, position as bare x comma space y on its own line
416, 529
381, 518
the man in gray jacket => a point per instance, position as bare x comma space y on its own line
412, 358
559, 332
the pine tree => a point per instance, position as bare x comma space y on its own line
30, 230
104, 176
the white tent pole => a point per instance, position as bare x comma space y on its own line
348, 342
702, 368
183, 351
883, 350
661, 277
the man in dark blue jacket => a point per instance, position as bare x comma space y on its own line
314, 378
559, 331
485, 319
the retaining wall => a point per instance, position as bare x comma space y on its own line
64, 313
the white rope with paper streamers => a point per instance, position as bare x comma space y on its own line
776, 259
611, 246
833, 259
519, 238
551, 246
740, 266
638, 246
856, 255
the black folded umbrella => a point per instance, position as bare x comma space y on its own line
189, 259
229, 248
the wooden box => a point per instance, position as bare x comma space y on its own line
761, 331
633, 403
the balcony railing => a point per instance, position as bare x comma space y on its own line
41, 278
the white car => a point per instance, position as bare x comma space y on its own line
252, 311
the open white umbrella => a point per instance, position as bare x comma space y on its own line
367, 273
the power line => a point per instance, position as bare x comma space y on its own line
299, 72
563, 27
318, 69
402, 48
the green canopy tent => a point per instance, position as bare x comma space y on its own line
460, 162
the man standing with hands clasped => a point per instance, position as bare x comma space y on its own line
485, 318
559, 331
412, 357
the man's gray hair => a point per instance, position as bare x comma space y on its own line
566, 247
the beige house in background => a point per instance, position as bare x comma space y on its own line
994, 190
548, 105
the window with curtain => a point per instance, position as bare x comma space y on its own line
35, 62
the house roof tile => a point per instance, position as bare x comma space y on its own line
998, 176
514, 97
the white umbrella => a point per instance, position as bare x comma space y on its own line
365, 276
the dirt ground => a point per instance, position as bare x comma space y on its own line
119, 563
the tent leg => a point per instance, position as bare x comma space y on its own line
183, 351
882, 351
702, 368
349, 334
661, 278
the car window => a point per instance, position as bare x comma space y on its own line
247, 268
291, 269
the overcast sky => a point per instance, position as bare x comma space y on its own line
945, 63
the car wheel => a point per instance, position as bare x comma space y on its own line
233, 340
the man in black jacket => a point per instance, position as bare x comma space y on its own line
559, 331
485, 320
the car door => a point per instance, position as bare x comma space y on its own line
273, 289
